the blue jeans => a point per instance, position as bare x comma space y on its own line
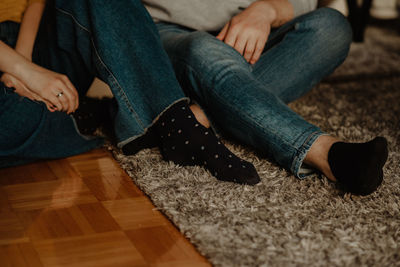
249, 102
115, 41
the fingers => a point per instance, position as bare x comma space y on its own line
257, 51
67, 100
249, 50
20, 88
233, 36
24, 91
55, 89
74, 92
7, 80
240, 43
49, 106
248, 31
54, 100
222, 34
63, 95
248, 42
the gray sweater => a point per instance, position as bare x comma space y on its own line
208, 15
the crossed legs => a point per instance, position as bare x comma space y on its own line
250, 102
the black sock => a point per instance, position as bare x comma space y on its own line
91, 114
186, 142
358, 166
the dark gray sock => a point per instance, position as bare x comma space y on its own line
358, 166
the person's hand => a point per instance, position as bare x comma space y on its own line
53, 88
20, 88
248, 31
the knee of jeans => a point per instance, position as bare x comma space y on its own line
202, 50
332, 30
197, 44
204, 45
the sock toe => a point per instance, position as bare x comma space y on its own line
243, 173
358, 166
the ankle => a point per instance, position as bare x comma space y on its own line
200, 115
317, 156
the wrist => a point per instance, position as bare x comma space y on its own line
23, 69
280, 11
269, 9
24, 52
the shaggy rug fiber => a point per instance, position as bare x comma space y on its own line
285, 221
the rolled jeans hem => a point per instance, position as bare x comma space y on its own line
298, 168
133, 138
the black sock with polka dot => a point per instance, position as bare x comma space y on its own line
186, 142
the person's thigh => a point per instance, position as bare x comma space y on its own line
199, 59
28, 131
302, 52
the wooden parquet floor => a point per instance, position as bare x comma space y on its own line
84, 211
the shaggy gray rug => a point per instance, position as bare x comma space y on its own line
284, 221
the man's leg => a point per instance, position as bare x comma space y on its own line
316, 45
219, 78
302, 52
253, 109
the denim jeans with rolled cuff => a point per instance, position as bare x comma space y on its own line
115, 41
249, 102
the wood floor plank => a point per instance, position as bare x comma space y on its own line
112, 185
99, 218
106, 249
84, 219
84, 211
94, 163
54, 194
37, 172
49, 224
19, 255
11, 229
164, 244
4, 203
62, 169
104, 177
135, 213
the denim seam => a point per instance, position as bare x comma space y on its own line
106, 68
